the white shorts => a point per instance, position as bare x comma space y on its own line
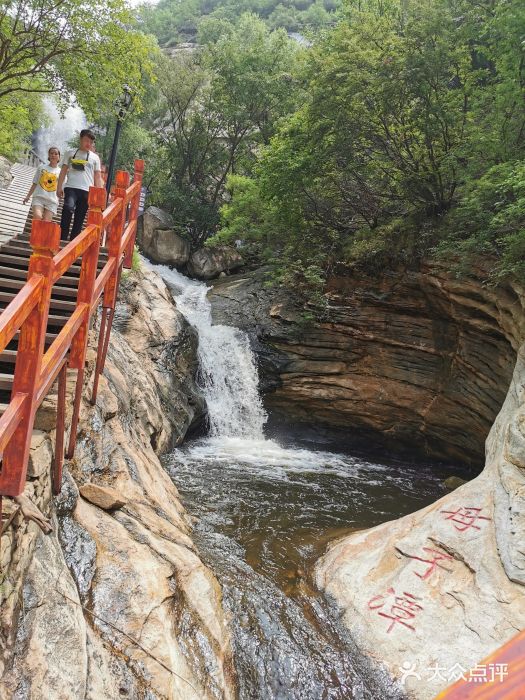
45, 204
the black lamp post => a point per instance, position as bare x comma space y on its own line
123, 105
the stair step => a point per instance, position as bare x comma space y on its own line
6, 382
17, 284
57, 305
14, 272
22, 243
53, 319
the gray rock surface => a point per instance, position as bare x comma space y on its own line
93, 611
158, 240
208, 263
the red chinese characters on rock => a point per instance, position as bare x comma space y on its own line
403, 608
400, 609
433, 562
465, 518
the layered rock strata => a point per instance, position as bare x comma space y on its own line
419, 359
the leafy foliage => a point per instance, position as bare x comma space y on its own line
491, 219
20, 116
410, 137
215, 108
89, 49
175, 21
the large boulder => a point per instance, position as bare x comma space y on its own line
159, 241
208, 263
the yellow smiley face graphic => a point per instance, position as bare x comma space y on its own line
48, 181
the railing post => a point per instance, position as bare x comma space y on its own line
88, 273
134, 211
114, 238
86, 285
45, 242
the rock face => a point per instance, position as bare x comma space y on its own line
409, 358
5, 172
208, 263
443, 587
425, 357
102, 496
116, 602
159, 241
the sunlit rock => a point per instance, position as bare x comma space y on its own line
208, 263
159, 241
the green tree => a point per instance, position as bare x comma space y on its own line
20, 116
217, 106
89, 49
407, 103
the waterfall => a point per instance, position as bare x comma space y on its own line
228, 371
60, 130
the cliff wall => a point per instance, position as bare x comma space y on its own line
116, 603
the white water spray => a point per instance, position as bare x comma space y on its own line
228, 371
230, 384
60, 130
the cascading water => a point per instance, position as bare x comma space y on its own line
265, 512
228, 372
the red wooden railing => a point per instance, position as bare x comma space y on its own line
501, 676
36, 370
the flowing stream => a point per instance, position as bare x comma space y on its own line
265, 511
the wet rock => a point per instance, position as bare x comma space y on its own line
423, 359
414, 359
107, 400
208, 263
102, 496
158, 240
130, 567
66, 500
80, 552
454, 482
50, 658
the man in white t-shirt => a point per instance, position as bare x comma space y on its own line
82, 168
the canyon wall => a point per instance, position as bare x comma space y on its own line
419, 359
116, 603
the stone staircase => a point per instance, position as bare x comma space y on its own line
14, 263
13, 214
15, 217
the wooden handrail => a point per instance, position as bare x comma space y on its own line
10, 419
74, 250
18, 309
500, 676
110, 213
36, 369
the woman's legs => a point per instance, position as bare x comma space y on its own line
38, 212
